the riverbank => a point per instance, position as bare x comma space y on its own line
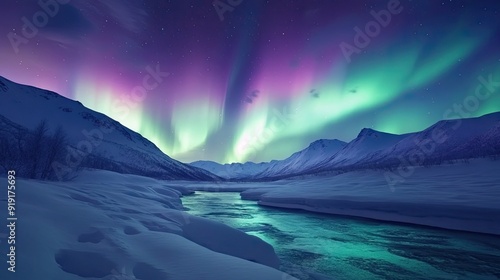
460, 196
345, 248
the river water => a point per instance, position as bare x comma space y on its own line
350, 248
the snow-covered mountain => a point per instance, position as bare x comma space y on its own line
310, 158
232, 170
92, 139
325, 154
363, 147
446, 140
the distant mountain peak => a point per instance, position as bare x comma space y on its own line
372, 133
323, 143
367, 132
468, 138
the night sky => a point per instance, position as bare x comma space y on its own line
260, 80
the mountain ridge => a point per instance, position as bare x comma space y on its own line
101, 141
466, 139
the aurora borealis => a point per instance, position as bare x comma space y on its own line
267, 79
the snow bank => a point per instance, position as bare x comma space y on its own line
111, 226
459, 197
255, 193
223, 239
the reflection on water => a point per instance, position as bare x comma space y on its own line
347, 248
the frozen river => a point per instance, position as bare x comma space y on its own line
349, 248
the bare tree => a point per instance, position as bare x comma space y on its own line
35, 148
55, 150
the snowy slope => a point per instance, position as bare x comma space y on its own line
105, 225
310, 158
487, 143
444, 141
101, 141
233, 170
363, 147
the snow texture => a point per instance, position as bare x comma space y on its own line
111, 226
